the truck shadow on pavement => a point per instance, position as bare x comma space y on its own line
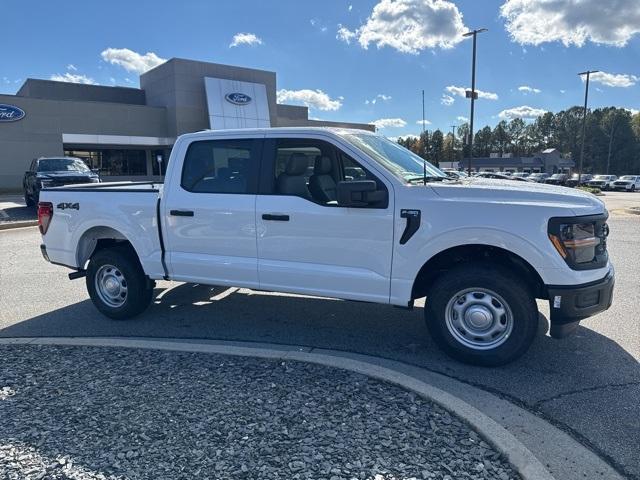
561, 379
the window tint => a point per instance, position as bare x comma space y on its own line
220, 166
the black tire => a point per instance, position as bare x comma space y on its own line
139, 289
28, 200
633, 188
517, 296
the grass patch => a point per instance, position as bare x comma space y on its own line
594, 190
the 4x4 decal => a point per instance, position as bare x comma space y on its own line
64, 206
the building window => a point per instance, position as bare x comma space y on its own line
113, 162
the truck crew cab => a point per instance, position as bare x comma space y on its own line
345, 214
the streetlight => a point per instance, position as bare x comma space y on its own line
472, 94
584, 120
453, 143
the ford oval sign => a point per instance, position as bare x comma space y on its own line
238, 98
10, 113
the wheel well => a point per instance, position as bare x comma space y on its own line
99, 238
447, 259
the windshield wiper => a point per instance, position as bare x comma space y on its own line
426, 179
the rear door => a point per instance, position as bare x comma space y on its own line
209, 212
307, 244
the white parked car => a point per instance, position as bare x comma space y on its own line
240, 208
603, 182
630, 183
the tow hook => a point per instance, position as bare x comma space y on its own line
77, 274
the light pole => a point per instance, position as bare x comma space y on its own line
584, 120
453, 142
472, 94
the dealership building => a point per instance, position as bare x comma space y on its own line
127, 133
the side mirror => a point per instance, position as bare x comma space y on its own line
359, 193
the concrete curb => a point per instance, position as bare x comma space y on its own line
522, 459
21, 224
633, 210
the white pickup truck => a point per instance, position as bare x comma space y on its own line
345, 214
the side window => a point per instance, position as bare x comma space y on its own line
221, 166
311, 169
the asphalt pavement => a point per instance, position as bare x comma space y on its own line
588, 384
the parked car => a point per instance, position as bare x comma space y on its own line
53, 172
557, 179
630, 183
603, 182
456, 174
575, 178
538, 177
520, 174
495, 175
237, 210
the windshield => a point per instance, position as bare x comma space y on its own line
602, 177
62, 165
393, 157
557, 175
627, 177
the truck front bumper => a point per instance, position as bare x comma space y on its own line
570, 304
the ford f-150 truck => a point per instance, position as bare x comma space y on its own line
345, 214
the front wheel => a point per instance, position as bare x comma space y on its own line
481, 314
117, 284
28, 200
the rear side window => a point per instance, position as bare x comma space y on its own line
221, 166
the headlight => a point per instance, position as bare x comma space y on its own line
581, 241
94, 179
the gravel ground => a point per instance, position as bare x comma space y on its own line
95, 413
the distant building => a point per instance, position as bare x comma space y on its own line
548, 161
128, 133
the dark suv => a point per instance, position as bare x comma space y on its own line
54, 172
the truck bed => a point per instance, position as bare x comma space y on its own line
127, 209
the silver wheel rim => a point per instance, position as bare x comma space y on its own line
479, 318
111, 286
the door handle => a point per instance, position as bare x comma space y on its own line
181, 213
275, 217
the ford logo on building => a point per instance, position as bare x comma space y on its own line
10, 113
238, 98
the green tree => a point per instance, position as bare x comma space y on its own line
436, 148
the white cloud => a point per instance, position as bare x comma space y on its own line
245, 39
613, 79
72, 67
131, 61
572, 22
311, 98
632, 110
461, 92
380, 96
409, 26
72, 78
563, 91
462, 119
447, 100
389, 123
524, 112
426, 122
350, 7
345, 34
528, 89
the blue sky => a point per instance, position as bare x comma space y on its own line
527, 45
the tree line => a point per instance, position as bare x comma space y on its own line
612, 139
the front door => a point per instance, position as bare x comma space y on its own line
209, 218
309, 244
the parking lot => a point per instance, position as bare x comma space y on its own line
588, 384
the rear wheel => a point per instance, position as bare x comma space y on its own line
481, 314
117, 284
